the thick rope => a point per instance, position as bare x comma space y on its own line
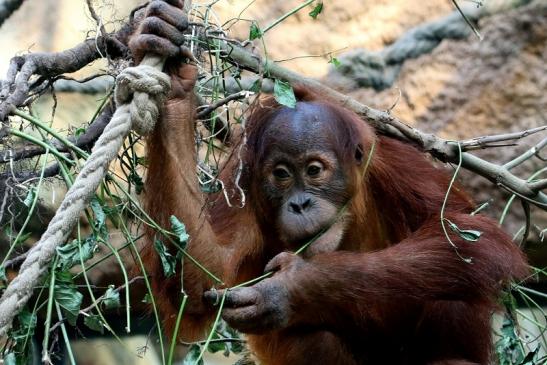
380, 69
140, 91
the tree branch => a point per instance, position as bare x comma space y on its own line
85, 141
486, 141
385, 123
205, 110
7, 8
14, 90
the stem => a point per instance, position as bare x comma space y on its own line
45, 356
282, 18
53, 132
468, 260
31, 210
176, 330
65, 335
44, 145
512, 198
210, 337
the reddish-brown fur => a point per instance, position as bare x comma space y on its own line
397, 292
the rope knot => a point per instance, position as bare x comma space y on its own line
143, 89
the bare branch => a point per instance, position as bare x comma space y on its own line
95, 17
220, 129
208, 109
534, 151
16, 261
7, 8
538, 185
14, 90
85, 141
50, 171
486, 141
444, 150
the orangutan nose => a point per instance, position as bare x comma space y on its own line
299, 204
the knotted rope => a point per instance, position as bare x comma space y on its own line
380, 69
140, 91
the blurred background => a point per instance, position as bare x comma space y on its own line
457, 89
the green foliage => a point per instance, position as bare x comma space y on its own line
255, 32
532, 358
256, 86
210, 186
233, 345
466, 234
136, 180
316, 10
111, 298
71, 254
192, 356
67, 296
9, 359
508, 346
20, 352
179, 229
100, 218
335, 62
168, 261
147, 299
31, 196
284, 93
20, 240
94, 323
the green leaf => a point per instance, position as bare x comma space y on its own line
100, 216
192, 356
3, 276
466, 234
79, 132
168, 262
316, 10
70, 300
179, 229
9, 359
143, 161
136, 180
94, 323
27, 320
256, 86
222, 330
26, 324
255, 31
69, 254
23, 238
531, 357
284, 93
64, 277
215, 347
508, 346
111, 298
31, 195
335, 62
147, 298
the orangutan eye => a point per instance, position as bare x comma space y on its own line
314, 169
281, 173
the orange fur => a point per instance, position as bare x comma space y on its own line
396, 292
